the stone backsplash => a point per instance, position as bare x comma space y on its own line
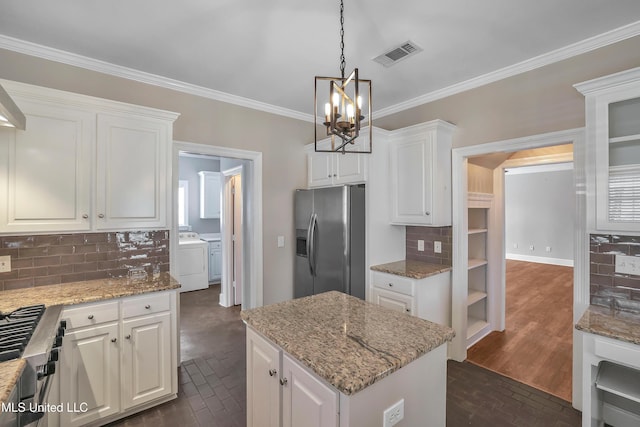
608, 288
429, 235
62, 258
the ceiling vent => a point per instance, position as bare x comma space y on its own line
398, 53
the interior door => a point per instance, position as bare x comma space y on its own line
237, 239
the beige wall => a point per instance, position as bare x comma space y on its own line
205, 121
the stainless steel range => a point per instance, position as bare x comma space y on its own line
34, 333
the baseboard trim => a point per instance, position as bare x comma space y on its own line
540, 260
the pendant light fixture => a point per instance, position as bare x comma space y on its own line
343, 109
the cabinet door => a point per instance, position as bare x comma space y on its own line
319, 169
393, 300
210, 185
45, 171
216, 261
411, 181
350, 168
306, 401
263, 389
132, 172
146, 359
90, 377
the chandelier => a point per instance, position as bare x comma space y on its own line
339, 109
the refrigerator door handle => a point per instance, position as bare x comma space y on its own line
312, 244
309, 246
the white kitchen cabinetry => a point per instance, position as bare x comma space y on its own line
306, 401
90, 365
280, 392
118, 357
210, 195
613, 149
420, 178
83, 164
215, 261
428, 298
327, 169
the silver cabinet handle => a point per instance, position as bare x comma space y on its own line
114, 339
147, 306
129, 336
90, 317
100, 215
283, 381
272, 372
85, 216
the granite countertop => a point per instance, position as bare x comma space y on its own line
9, 373
69, 294
86, 291
620, 325
412, 269
348, 342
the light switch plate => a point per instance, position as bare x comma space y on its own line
437, 247
5, 264
281, 241
628, 264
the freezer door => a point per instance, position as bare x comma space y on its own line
303, 210
329, 250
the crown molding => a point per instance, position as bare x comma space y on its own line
75, 60
575, 49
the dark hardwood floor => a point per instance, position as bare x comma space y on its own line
212, 390
536, 346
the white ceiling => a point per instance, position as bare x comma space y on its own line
270, 51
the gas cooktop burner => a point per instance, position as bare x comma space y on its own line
16, 329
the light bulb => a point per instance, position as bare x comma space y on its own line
336, 99
359, 101
327, 109
350, 111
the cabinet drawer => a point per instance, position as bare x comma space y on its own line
89, 315
392, 282
215, 245
618, 351
145, 305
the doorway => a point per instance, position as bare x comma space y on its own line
232, 259
460, 157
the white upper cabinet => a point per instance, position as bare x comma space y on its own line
327, 169
613, 149
210, 195
420, 165
45, 171
83, 164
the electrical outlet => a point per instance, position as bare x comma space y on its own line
531, 247
626, 264
393, 414
437, 247
548, 249
515, 246
5, 264
421, 245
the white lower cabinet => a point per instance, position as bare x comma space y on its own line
280, 392
118, 357
394, 300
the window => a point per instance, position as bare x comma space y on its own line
183, 203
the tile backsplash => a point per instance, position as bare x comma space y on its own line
62, 258
429, 235
608, 288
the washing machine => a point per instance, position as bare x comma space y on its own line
193, 262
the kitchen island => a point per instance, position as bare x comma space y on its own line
332, 359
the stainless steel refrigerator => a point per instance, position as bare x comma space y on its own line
330, 241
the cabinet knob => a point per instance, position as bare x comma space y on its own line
408, 310
129, 336
147, 306
85, 216
114, 339
272, 372
90, 317
427, 213
100, 215
335, 175
283, 381
329, 176
391, 285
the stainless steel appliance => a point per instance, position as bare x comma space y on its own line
330, 241
35, 334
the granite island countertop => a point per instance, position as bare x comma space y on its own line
621, 325
412, 269
349, 342
69, 294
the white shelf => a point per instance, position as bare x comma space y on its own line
475, 262
475, 296
619, 380
475, 325
624, 138
477, 230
